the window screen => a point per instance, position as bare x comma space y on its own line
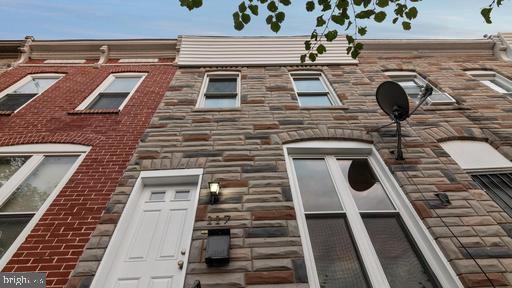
221, 92
311, 91
413, 84
12, 101
113, 96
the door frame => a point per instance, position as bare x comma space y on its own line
146, 178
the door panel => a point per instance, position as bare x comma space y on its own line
157, 236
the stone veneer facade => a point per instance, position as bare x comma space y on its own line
242, 148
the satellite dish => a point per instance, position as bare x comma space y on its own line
360, 175
393, 99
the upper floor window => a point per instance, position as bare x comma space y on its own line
114, 92
488, 168
220, 90
28, 88
30, 177
358, 228
414, 83
494, 81
312, 90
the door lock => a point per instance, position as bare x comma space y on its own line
180, 264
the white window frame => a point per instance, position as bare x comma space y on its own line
484, 75
26, 80
201, 101
370, 261
413, 76
106, 83
38, 152
335, 101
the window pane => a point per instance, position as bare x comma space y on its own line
181, 195
438, 96
316, 187
309, 85
35, 86
320, 100
34, 190
108, 101
221, 85
220, 102
9, 165
11, 102
122, 84
10, 228
157, 196
495, 85
337, 261
364, 185
398, 257
412, 88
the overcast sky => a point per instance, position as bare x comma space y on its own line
71, 19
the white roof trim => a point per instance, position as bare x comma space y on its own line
254, 51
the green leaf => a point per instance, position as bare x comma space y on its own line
406, 25
269, 19
395, 20
285, 2
338, 19
236, 16
197, 3
242, 8
331, 35
379, 16
342, 4
272, 6
320, 49
302, 58
348, 25
307, 45
312, 57
383, 3
358, 2
246, 18
310, 6
486, 13
254, 9
275, 26
411, 13
239, 25
362, 31
320, 21
280, 16
350, 39
365, 14
314, 35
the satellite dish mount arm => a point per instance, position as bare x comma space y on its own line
396, 120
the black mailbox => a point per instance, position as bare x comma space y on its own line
217, 247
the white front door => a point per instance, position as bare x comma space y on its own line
154, 247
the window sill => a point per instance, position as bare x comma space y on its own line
453, 106
338, 107
6, 113
237, 109
94, 111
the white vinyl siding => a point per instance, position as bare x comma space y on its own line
229, 51
413, 84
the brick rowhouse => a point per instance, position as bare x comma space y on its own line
56, 242
242, 148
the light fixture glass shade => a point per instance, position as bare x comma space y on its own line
214, 187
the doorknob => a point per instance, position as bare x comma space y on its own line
180, 264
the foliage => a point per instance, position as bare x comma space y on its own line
335, 17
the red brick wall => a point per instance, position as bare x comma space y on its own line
58, 239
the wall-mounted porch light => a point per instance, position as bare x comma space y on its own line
214, 192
